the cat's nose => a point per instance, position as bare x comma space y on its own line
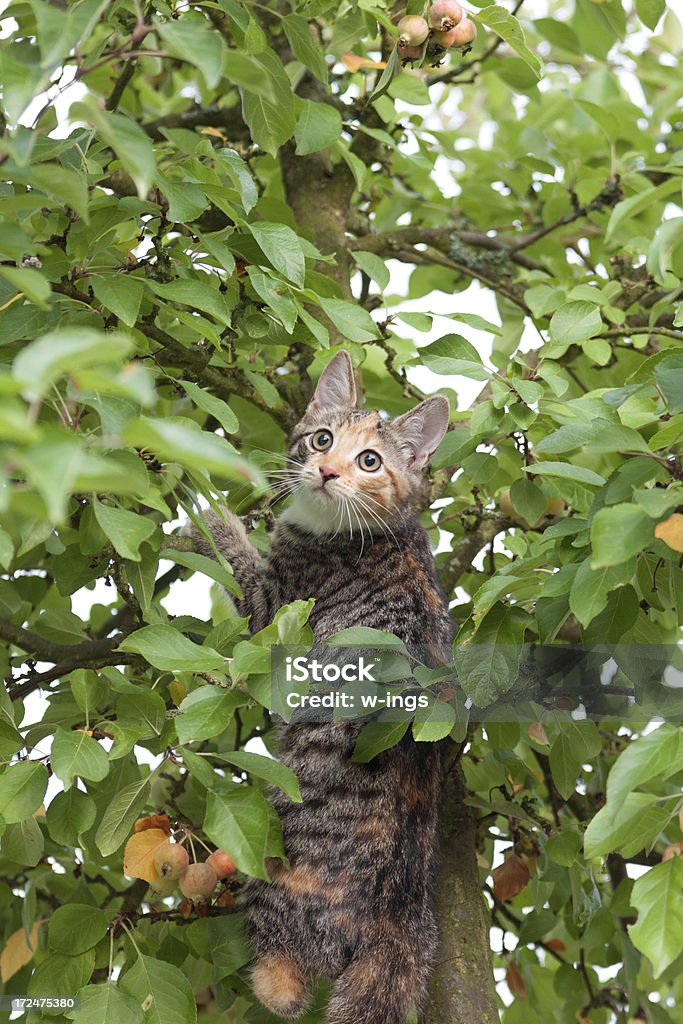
327, 473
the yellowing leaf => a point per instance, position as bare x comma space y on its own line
177, 692
153, 821
17, 953
509, 878
537, 732
354, 63
671, 531
138, 857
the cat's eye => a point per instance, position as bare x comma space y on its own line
321, 440
369, 461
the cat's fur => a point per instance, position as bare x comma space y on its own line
355, 904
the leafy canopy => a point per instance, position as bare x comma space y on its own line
200, 203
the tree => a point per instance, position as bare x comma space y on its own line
202, 202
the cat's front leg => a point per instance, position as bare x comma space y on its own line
231, 540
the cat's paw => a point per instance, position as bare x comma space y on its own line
229, 535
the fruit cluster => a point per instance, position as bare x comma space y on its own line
196, 881
447, 28
158, 853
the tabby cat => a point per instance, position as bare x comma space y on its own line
355, 904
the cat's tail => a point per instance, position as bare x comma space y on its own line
378, 988
280, 984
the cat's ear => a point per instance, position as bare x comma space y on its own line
420, 430
336, 388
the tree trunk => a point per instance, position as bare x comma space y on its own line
462, 989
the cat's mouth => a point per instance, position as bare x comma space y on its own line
326, 492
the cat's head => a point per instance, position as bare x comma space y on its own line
350, 470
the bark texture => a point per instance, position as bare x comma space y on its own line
462, 989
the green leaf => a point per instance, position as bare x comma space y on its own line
650, 11
387, 76
509, 29
658, 754
375, 737
647, 199
366, 636
22, 788
104, 1003
529, 500
117, 823
274, 772
632, 826
354, 322
248, 72
566, 438
618, 532
66, 351
567, 471
121, 294
298, 32
64, 186
669, 377
183, 441
487, 664
198, 293
162, 989
76, 928
23, 842
126, 530
206, 712
61, 974
434, 722
275, 295
186, 200
563, 847
69, 815
454, 354
237, 820
33, 284
131, 144
589, 590
215, 407
282, 249
318, 126
75, 753
575, 322
377, 269
200, 563
271, 122
576, 743
167, 649
192, 38
656, 896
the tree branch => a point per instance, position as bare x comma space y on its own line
65, 657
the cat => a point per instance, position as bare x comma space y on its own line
356, 903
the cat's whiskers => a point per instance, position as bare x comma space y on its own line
346, 506
393, 507
384, 527
362, 532
341, 518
